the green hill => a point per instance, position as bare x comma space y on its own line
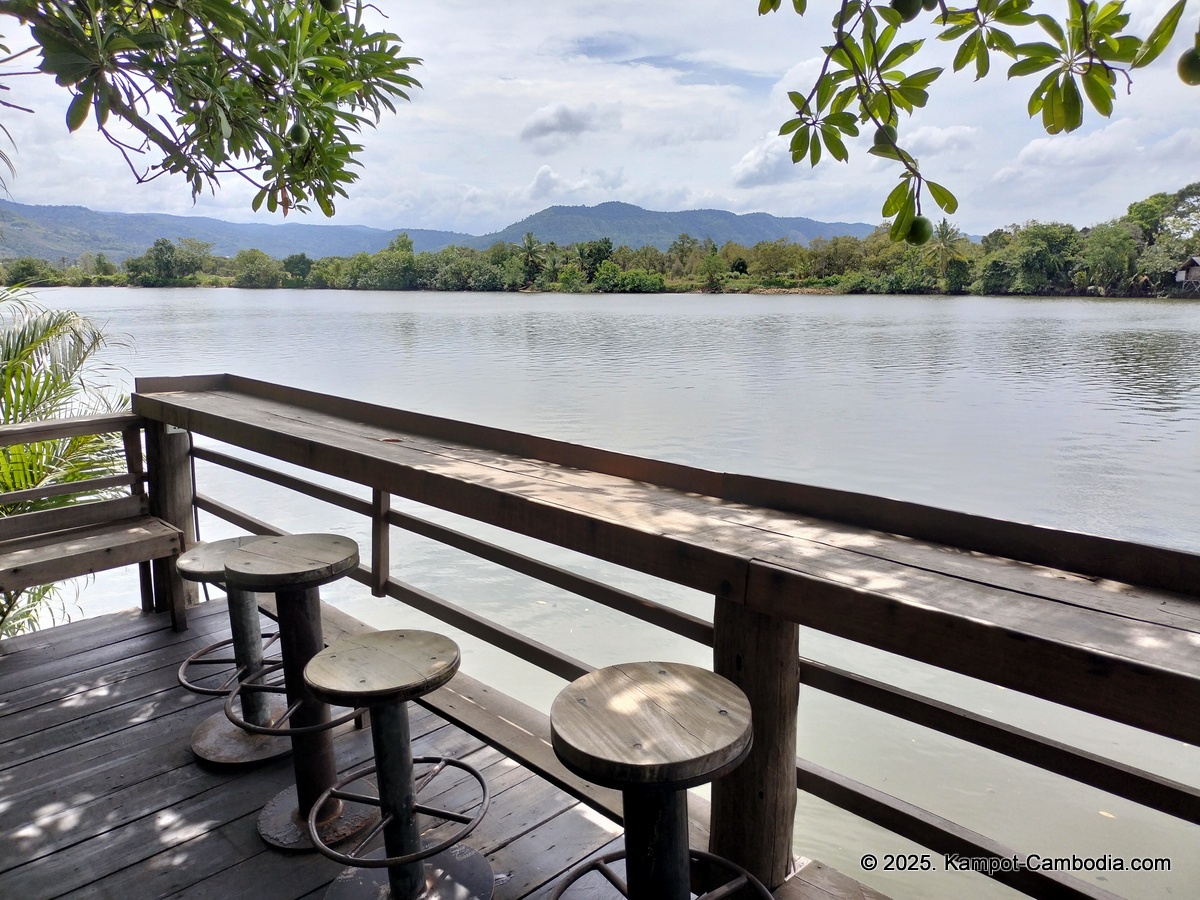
67, 232
637, 227
64, 233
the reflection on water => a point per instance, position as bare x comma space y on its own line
1079, 414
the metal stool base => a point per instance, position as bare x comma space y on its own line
281, 826
616, 885
460, 873
217, 740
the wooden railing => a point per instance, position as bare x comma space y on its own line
754, 632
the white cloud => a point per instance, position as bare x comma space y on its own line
548, 185
932, 139
663, 105
558, 124
767, 162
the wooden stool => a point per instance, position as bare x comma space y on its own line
217, 739
386, 669
652, 730
292, 567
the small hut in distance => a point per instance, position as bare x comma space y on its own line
1187, 276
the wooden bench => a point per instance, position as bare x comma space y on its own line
80, 538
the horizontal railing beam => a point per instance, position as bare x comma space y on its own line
90, 486
291, 482
680, 623
1150, 790
534, 652
72, 426
939, 834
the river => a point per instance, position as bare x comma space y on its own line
1073, 413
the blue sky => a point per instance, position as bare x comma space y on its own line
669, 105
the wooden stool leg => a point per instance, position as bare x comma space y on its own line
394, 770
300, 639
247, 652
656, 845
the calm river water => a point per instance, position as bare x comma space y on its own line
1079, 414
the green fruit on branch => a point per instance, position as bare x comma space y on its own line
298, 135
920, 231
885, 136
908, 9
331, 5
1189, 66
929, 5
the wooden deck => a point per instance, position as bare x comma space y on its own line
100, 795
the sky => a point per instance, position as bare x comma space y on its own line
668, 105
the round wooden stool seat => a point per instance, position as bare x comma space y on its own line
206, 562
382, 667
651, 724
293, 562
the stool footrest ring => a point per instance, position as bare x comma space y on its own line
355, 857
275, 728
203, 657
741, 878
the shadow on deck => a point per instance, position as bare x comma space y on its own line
101, 796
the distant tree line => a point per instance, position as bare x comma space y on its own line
1134, 255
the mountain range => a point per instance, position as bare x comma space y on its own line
64, 233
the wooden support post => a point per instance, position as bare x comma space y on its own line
135, 464
171, 490
381, 532
754, 806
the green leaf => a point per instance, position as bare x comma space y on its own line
895, 199
1030, 66
1001, 41
942, 197
1159, 37
790, 125
814, 151
1054, 117
767, 6
1123, 50
983, 61
922, 79
799, 145
1072, 104
833, 143
966, 51
954, 32
900, 54
1038, 98
904, 217
1051, 27
1099, 90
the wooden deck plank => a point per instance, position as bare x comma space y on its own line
90, 808
81, 650
64, 688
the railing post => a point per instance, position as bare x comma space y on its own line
169, 474
381, 547
754, 806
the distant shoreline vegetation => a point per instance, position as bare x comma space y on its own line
1134, 255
